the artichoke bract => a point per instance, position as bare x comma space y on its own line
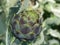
26, 25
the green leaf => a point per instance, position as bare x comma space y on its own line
54, 33
2, 24
52, 20
53, 42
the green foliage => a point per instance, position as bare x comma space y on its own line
50, 34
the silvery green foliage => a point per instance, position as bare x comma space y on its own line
2, 17
53, 42
50, 34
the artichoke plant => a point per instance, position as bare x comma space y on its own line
29, 22
26, 24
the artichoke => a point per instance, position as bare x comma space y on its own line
26, 25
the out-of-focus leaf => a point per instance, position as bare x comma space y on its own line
11, 2
54, 33
47, 7
2, 17
12, 40
56, 10
53, 42
2, 44
51, 1
2, 24
52, 20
